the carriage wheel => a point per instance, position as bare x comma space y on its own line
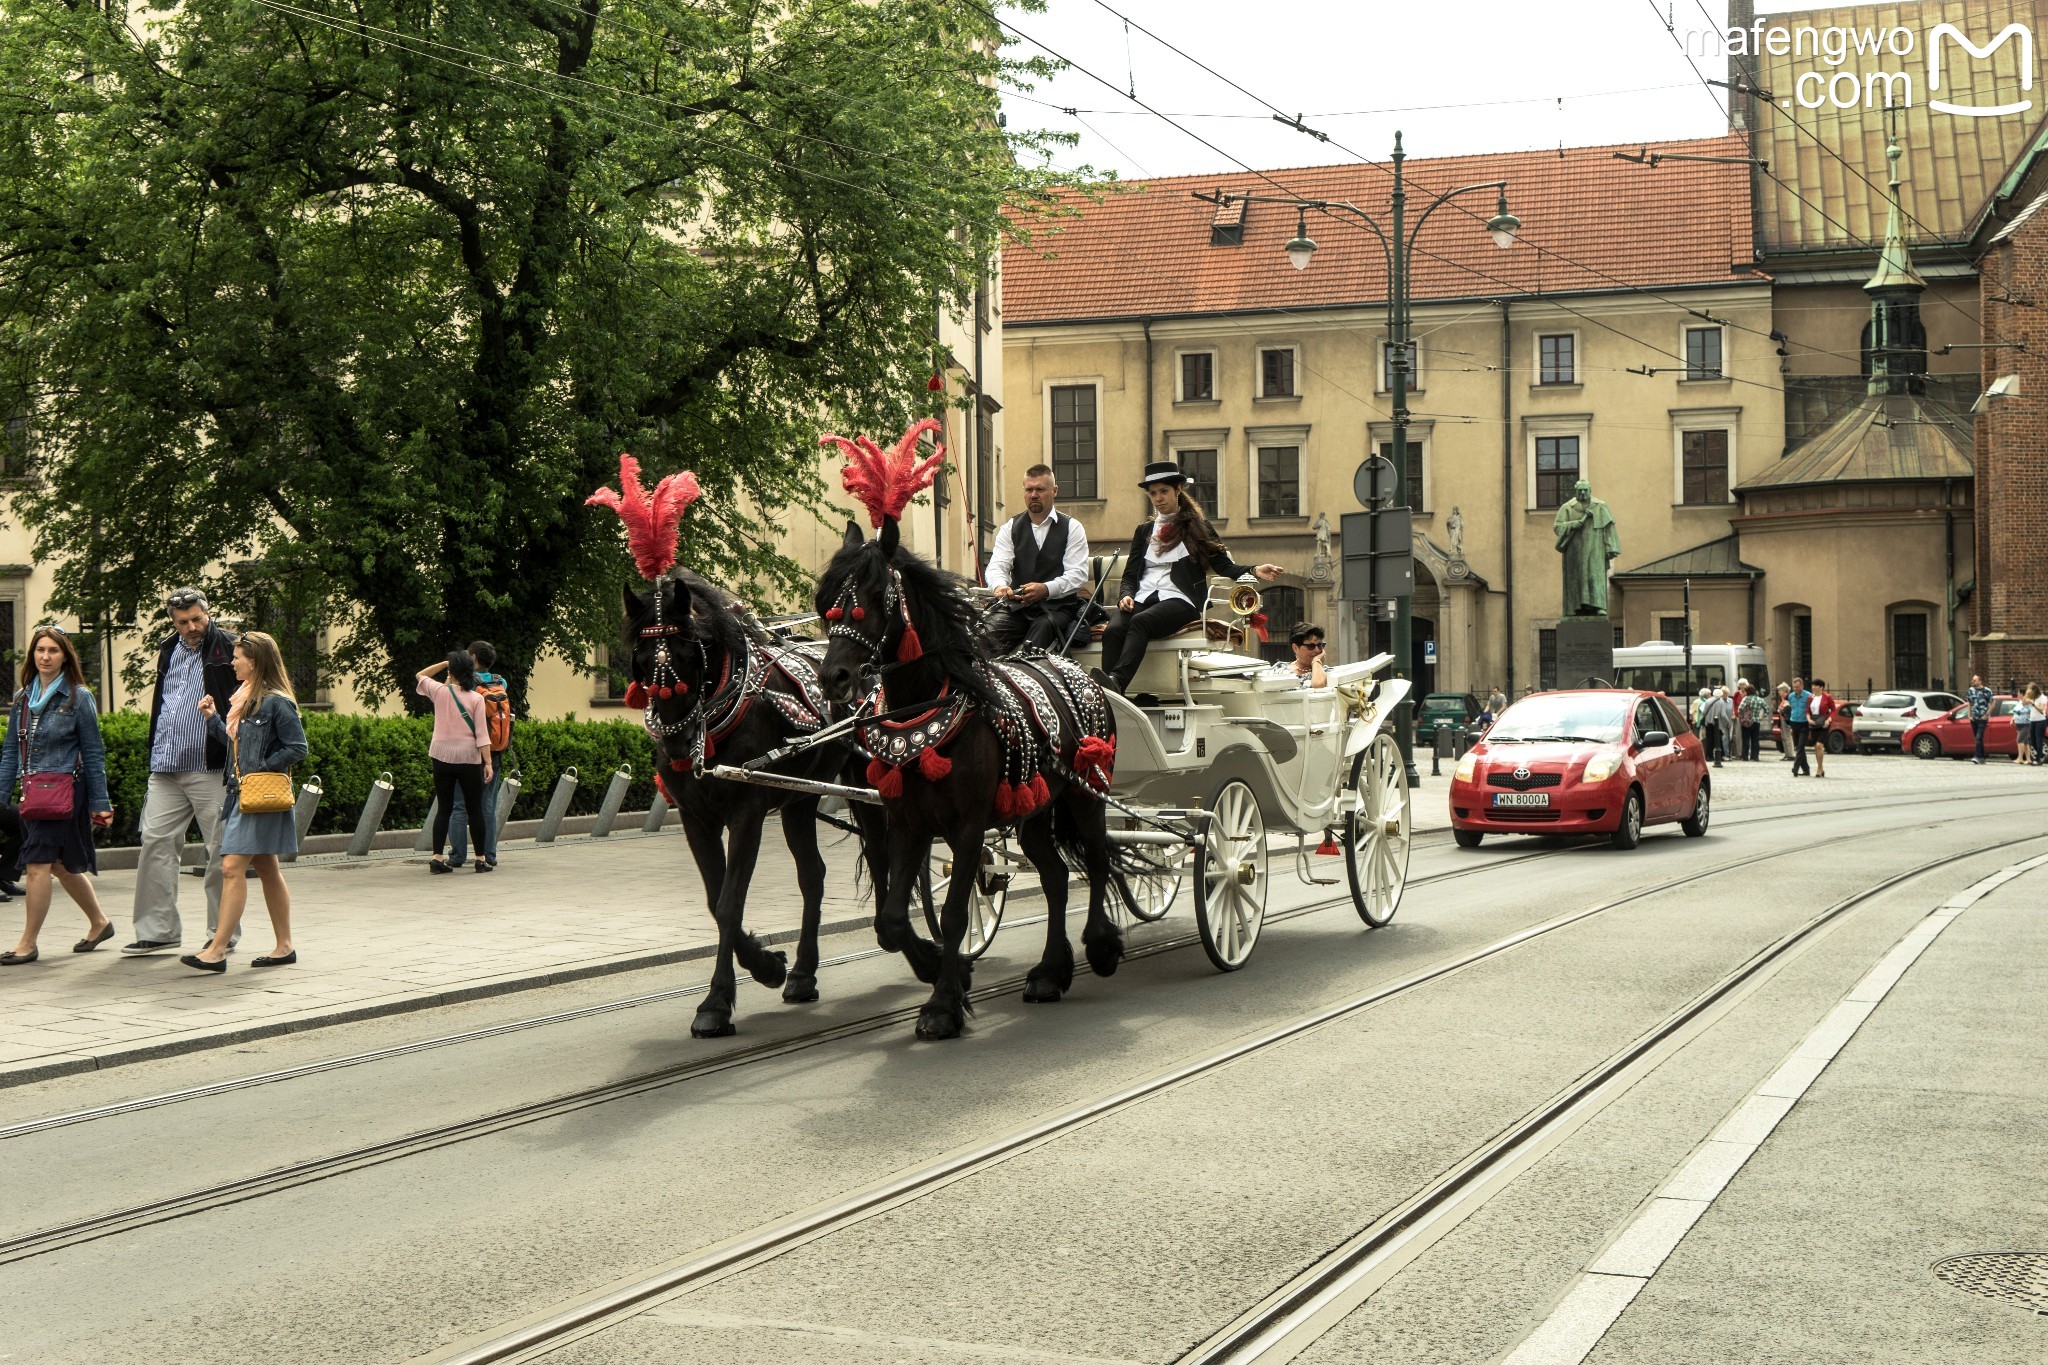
1376, 836
1230, 875
984, 907
1152, 871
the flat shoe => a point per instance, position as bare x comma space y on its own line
18, 960
198, 963
86, 945
487, 867
439, 868
285, 961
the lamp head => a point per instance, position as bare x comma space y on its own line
1302, 248
1503, 225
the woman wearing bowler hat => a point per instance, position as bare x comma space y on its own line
1170, 560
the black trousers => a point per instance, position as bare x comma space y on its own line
1130, 633
469, 779
1042, 625
1752, 743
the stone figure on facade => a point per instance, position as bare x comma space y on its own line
1587, 540
1454, 527
1324, 568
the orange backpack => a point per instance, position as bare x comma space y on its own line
497, 712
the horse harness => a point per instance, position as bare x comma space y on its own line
801, 703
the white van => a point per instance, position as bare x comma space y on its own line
1659, 666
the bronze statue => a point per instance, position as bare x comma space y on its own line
1587, 540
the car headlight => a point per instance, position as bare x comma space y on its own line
1468, 766
1600, 767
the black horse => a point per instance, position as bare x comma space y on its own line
961, 745
714, 695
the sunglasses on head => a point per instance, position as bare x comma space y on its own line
179, 601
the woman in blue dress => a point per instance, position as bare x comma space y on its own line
263, 734
54, 728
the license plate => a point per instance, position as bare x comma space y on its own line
1521, 798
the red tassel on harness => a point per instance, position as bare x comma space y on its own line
934, 765
1006, 800
664, 691
1095, 753
909, 649
1039, 792
860, 613
636, 695
682, 689
884, 779
681, 765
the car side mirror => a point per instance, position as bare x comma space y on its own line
1651, 739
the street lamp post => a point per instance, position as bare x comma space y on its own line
1397, 246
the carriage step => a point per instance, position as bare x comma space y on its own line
1322, 881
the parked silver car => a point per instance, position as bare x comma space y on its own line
1883, 719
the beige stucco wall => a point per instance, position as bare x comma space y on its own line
1478, 437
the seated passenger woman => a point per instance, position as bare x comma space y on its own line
1164, 584
1307, 664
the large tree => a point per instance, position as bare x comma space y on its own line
372, 293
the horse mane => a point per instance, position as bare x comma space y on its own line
940, 607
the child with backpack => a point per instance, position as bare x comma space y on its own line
497, 718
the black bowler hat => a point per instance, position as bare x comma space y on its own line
1161, 471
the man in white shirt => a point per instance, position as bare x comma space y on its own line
1038, 566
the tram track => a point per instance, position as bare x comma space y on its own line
781, 1047
539, 1334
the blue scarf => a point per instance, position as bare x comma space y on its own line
40, 697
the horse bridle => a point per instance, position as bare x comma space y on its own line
666, 680
846, 609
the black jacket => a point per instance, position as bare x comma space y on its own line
217, 672
1190, 575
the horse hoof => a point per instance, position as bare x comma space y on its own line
712, 1026
800, 989
1104, 954
934, 1024
1042, 993
771, 969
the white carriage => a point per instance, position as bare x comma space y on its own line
1226, 759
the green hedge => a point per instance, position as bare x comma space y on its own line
351, 752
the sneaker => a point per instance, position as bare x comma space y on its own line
142, 947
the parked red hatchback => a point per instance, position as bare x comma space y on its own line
1949, 735
1591, 762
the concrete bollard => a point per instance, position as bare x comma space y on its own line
558, 807
614, 800
302, 813
374, 806
1440, 750
425, 843
657, 814
508, 797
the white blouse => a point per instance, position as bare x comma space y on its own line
1158, 578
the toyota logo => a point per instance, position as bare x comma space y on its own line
1522, 773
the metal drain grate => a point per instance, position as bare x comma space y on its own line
2015, 1277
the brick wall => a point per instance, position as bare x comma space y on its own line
2009, 639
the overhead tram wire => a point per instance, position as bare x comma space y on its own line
1366, 113
1516, 290
1295, 121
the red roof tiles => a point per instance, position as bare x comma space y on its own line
1590, 223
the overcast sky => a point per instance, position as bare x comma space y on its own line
1461, 77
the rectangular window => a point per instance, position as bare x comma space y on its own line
1280, 481
10, 643
1546, 660
611, 682
1703, 353
14, 454
1276, 373
1413, 487
1073, 439
1197, 376
1557, 469
1387, 368
1557, 359
1705, 459
1671, 629
1909, 650
1200, 466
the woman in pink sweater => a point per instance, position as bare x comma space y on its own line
460, 751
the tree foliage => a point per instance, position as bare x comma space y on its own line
373, 292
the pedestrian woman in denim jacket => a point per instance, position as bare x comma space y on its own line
262, 734
54, 727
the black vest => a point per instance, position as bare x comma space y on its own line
1032, 562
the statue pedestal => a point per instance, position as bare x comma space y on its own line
1585, 650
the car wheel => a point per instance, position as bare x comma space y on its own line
1629, 832
1468, 838
1702, 804
1836, 743
1927, 746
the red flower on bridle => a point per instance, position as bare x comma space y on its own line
651, 520
884, 482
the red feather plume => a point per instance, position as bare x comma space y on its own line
651, 520
884, 482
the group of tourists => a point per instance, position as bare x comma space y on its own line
224, 735
2030, 726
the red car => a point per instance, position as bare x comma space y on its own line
1949, 736
1591, 762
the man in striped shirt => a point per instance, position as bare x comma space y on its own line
186, 770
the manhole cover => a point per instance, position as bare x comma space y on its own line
2015, 1277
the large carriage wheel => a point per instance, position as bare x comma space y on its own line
1376, 835
1230, 875
984, 907
1152, 871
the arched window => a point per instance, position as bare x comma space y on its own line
1283, 607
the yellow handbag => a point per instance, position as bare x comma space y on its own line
262, 793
